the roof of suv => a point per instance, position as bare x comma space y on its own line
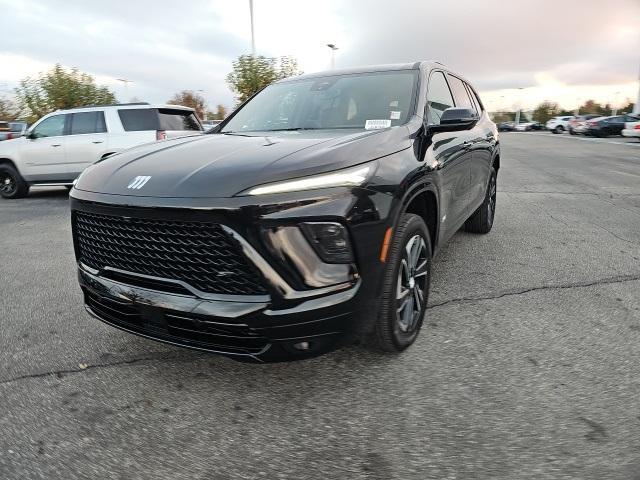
390, 67
122, 106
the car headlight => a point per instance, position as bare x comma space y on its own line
343, 178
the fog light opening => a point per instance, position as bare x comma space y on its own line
302, 346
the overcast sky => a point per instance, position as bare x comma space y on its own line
566, 51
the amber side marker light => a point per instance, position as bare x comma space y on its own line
385, 244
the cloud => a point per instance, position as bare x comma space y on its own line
165, 47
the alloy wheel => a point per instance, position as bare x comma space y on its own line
8, 184
412, 282
491, 204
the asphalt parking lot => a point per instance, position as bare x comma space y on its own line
527, 367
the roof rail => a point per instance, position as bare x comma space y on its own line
108, 105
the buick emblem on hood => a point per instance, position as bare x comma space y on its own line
139, 182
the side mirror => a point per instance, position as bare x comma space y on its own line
454, 119
31, 135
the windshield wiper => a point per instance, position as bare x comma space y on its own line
293, 129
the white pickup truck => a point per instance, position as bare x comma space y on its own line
59, 146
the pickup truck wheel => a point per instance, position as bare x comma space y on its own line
12, 185
558, 129
405, 285
482, 219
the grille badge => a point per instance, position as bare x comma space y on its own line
138, 182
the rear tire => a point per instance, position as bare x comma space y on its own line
482, 219
12, 185
405, 289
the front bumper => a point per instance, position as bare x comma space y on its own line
291, 321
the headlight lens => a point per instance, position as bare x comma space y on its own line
344, 178
330, 240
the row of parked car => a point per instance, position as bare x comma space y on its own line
9, 130
627, 125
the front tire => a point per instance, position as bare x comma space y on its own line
558, 129
12, 185
482, 219
405, 285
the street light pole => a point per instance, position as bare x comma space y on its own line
333, 48
126, 86
253, 37
517, 119
636, 107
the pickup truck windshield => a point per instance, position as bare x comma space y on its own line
340, 101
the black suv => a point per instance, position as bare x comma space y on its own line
305, 220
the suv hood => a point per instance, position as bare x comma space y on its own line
222, 165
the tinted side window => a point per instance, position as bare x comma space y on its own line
460, 93
139, 119
87, 122
171, 119
51, 127
438, 97
474, 98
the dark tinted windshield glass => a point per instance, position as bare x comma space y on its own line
171, 119
374, 100
87, 122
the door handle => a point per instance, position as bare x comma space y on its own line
467, 144
56, 144
98, 141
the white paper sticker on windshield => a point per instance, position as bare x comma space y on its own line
394, 114
377, 124
393, 103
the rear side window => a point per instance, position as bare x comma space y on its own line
438, 97
4, 125
460, 94
87, 122
175, 119
139, 119
474, 98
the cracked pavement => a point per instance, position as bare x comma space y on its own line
527, 367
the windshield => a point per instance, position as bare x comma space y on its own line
367, 100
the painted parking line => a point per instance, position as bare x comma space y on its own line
584, 139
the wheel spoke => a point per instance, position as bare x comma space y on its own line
417, 297
407, 314
421, 270
403, 304
402, 294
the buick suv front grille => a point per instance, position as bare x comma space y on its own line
203, 255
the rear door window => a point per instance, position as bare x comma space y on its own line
176, 119
87, 122
438, 97
460, 94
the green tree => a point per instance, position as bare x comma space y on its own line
499, 117
8, 109
188, 98
591, 106
628, 108
219, 114
545, 111
59, 89
251, 73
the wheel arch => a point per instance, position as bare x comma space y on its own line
424, 203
